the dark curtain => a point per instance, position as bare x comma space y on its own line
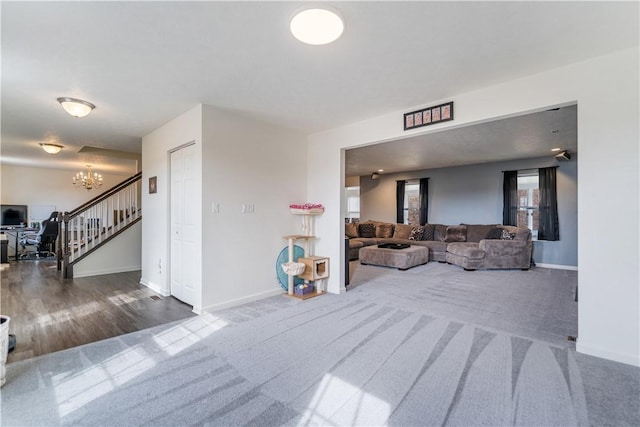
510, 198
548, 224
424, 201
400, 202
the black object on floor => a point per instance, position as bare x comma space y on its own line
12, 342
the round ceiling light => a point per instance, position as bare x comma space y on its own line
76, 107
316, 26
51, 148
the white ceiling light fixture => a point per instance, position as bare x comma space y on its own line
51, 148
316, 26
76, 107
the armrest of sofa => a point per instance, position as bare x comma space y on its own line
500, 248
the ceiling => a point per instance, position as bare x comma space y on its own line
522, 137
144, 63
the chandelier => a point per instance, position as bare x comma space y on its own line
88, 180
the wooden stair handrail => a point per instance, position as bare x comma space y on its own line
101, 197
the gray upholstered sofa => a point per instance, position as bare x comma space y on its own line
470, 246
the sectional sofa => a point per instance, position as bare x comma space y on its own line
470, 246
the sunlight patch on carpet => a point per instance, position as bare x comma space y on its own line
332, 389
75, 392
188, 333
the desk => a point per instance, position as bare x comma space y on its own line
18, 232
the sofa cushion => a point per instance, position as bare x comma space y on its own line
456, 233
351, 230
495, 233
367, 229
416, 233
402, 231
469, 250
440, 232
368, 241
477, 232
384, 230
355, 244
434, 245
429, 230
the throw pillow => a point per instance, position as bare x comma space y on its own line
384, 230
416, 233
495, 233
402, 231
456, 233
367, 229
351, 230
428, 233
507, 236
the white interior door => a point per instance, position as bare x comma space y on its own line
183, 225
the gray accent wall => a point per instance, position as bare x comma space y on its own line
472, 194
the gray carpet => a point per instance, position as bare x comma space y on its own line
385, 353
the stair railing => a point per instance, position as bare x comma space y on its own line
97, 221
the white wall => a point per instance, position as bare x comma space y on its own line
243, 162
472, 194
607, 93
120, 254
247, 162
22, 185
155, 207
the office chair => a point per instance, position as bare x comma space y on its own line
43, 240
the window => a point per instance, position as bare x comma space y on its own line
412, 202
353, 203
528, 214
530, 199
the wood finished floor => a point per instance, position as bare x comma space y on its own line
50, 314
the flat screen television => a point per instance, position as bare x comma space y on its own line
14, 215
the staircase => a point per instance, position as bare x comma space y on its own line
101, 219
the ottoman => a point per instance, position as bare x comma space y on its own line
402, 259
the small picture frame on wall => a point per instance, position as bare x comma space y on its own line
445, 112
428, 116
408, 121
153, 184
417, 118
435, 114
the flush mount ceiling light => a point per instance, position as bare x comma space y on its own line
556, 149
51, 148
316, 26
76, 107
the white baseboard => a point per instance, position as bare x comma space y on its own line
629, 359
558, 266
90, 273
243, 300
154, 287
